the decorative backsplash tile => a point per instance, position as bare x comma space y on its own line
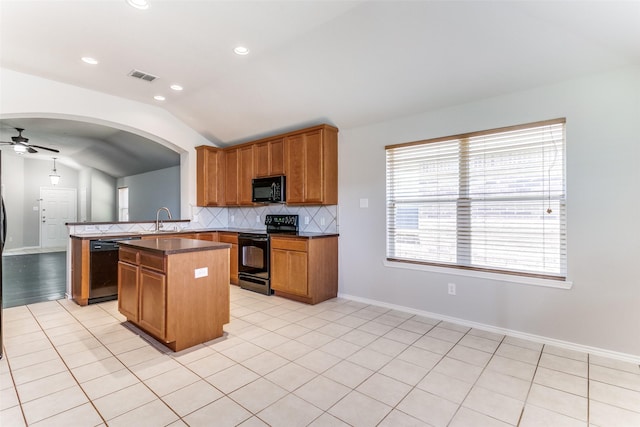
312, 219
320, 218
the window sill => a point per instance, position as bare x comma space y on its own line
533, 281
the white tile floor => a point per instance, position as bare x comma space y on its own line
282, 363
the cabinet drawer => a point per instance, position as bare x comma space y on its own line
154, 262
289, 244
228, 237
128, 255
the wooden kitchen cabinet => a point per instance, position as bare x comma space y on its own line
210, 236
269, 158
307, 157
245, 175
304, 269
210, 182
231, 189
238, 175
177, 290
311, 162
128, 283
153, 302
231, 238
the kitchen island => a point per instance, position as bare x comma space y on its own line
176, 290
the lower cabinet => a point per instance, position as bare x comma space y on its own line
163, 295
128, 284
304, 269
231, 238
153, 302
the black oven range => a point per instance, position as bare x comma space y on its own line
254, 252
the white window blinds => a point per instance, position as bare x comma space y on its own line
491, 200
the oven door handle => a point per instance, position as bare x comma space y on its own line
254, 239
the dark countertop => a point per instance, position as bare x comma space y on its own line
174, 246
107, 236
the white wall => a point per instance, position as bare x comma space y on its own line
103, 197
602, 309
152, 190
13, 194
23, 95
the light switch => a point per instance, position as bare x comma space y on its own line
364, 203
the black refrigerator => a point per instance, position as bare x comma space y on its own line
3, 234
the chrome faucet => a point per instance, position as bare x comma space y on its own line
158, 223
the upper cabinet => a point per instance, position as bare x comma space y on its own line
231, 177
269, 158
210, 176
245, 174
311, 162
307, 157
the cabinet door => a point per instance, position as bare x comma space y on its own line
276, 157
128, 290
313, 167
269, 158
289, 271
153, 302
245, 174
295, 160
261, 153
305, 168
231, 177
231, 238
209, 176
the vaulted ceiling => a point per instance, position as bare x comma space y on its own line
348, 63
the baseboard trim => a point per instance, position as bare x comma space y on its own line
625, 357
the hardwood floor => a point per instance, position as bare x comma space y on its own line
28, 279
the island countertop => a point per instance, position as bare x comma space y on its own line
174, 246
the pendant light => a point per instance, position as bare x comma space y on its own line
54, 177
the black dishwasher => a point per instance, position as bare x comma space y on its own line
103, 269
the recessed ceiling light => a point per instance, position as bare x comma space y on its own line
176, 87
138, 4
159, 98
89, 60
241, 50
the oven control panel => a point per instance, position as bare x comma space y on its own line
281, 223
281, 220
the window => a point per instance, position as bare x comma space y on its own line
490, 201
123, 204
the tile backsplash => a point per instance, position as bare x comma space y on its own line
312, 218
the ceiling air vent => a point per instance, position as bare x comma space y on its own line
142, 75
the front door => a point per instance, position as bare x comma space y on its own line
59, 206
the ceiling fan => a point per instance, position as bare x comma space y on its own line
21, 144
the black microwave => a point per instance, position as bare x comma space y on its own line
269, 190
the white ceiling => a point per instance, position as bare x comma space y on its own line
348, 63
115, 152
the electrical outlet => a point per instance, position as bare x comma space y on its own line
233, 218
257, 218
306, 220
195, 218
201, 272
451, 288
321, 220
